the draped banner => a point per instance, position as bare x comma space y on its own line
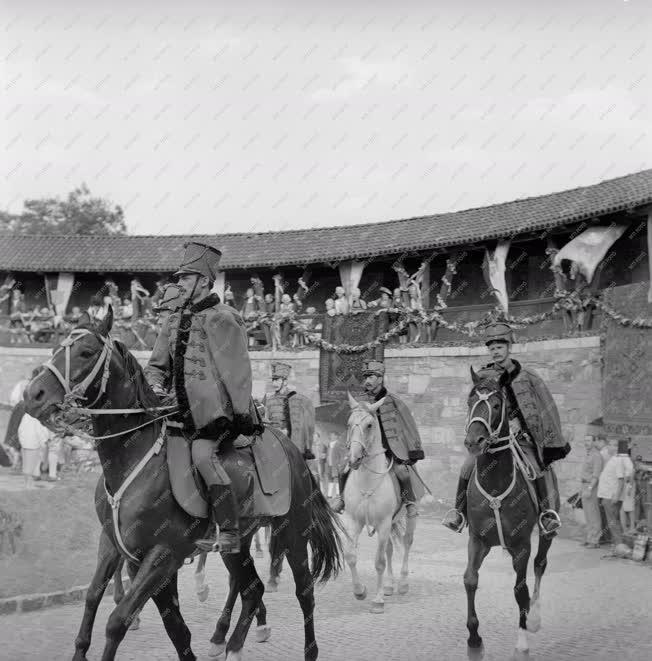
493, 268
627, 365
588, 249
341, 372
350, 274
218, 285
58, 289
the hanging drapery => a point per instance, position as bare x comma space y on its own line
493, 268
218, 285
58, 288
588, 249
350, 275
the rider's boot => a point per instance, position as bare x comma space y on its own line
407, 490
225, 514
338, 502
455, 519
549, 520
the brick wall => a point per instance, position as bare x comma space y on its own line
434, 383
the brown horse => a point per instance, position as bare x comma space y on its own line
501, 509
156, 534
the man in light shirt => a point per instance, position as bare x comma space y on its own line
591, 471
33, 437
611, 490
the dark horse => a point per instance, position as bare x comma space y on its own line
500, 507
154, 528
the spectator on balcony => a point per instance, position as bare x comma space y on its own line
75, 314
356, 302
267, 321
94, 309
229, 297
330, 307
250, 307
127, 310
341, 304
384, 301
285, 314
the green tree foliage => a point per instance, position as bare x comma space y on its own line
79, 213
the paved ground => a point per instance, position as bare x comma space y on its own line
594, 608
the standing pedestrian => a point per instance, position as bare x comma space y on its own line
591, 471
33, 437
611, 491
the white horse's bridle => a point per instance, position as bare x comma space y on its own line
365, 453
74, 394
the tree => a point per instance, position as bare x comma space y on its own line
79, 213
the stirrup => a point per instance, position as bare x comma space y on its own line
556, 520
458, 528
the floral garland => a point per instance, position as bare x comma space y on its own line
568, 301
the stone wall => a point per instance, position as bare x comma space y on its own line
434, 383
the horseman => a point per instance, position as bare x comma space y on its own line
400, 436
290, 411
201, 355
533, 420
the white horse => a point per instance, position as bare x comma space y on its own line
371, 499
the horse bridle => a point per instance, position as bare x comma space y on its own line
365, 453
493, 433
74, 394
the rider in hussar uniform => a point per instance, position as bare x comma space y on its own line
534, 420
400, 436
201, 355
290, 411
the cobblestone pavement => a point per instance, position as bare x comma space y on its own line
594, 608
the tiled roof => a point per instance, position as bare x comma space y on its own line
329, 244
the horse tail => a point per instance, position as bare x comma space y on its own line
324, 539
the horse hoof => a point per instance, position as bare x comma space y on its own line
263, 633
474, 643
215, 651
135, 624
271, 587
534, 618
361, 596
377, 607
202, 593
475, 653
522, 646
403, 587
234, 656
388, 590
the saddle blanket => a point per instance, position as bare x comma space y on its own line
258, 467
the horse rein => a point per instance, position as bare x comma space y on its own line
76, 393
365, 454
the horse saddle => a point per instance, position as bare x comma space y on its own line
258, 467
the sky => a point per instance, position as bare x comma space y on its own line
220, 117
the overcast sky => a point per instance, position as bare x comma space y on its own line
206, 118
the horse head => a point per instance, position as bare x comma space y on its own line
487, 420
363, 431
78, 371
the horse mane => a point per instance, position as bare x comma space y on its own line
136, 375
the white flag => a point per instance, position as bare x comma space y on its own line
494, 272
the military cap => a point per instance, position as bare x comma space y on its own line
500, 331
373, 367
384, 290
200, 258
280, 370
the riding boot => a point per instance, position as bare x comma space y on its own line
407, 490
549, 520
225, 513
338, 502
455, 519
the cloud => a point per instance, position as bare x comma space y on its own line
361, 74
